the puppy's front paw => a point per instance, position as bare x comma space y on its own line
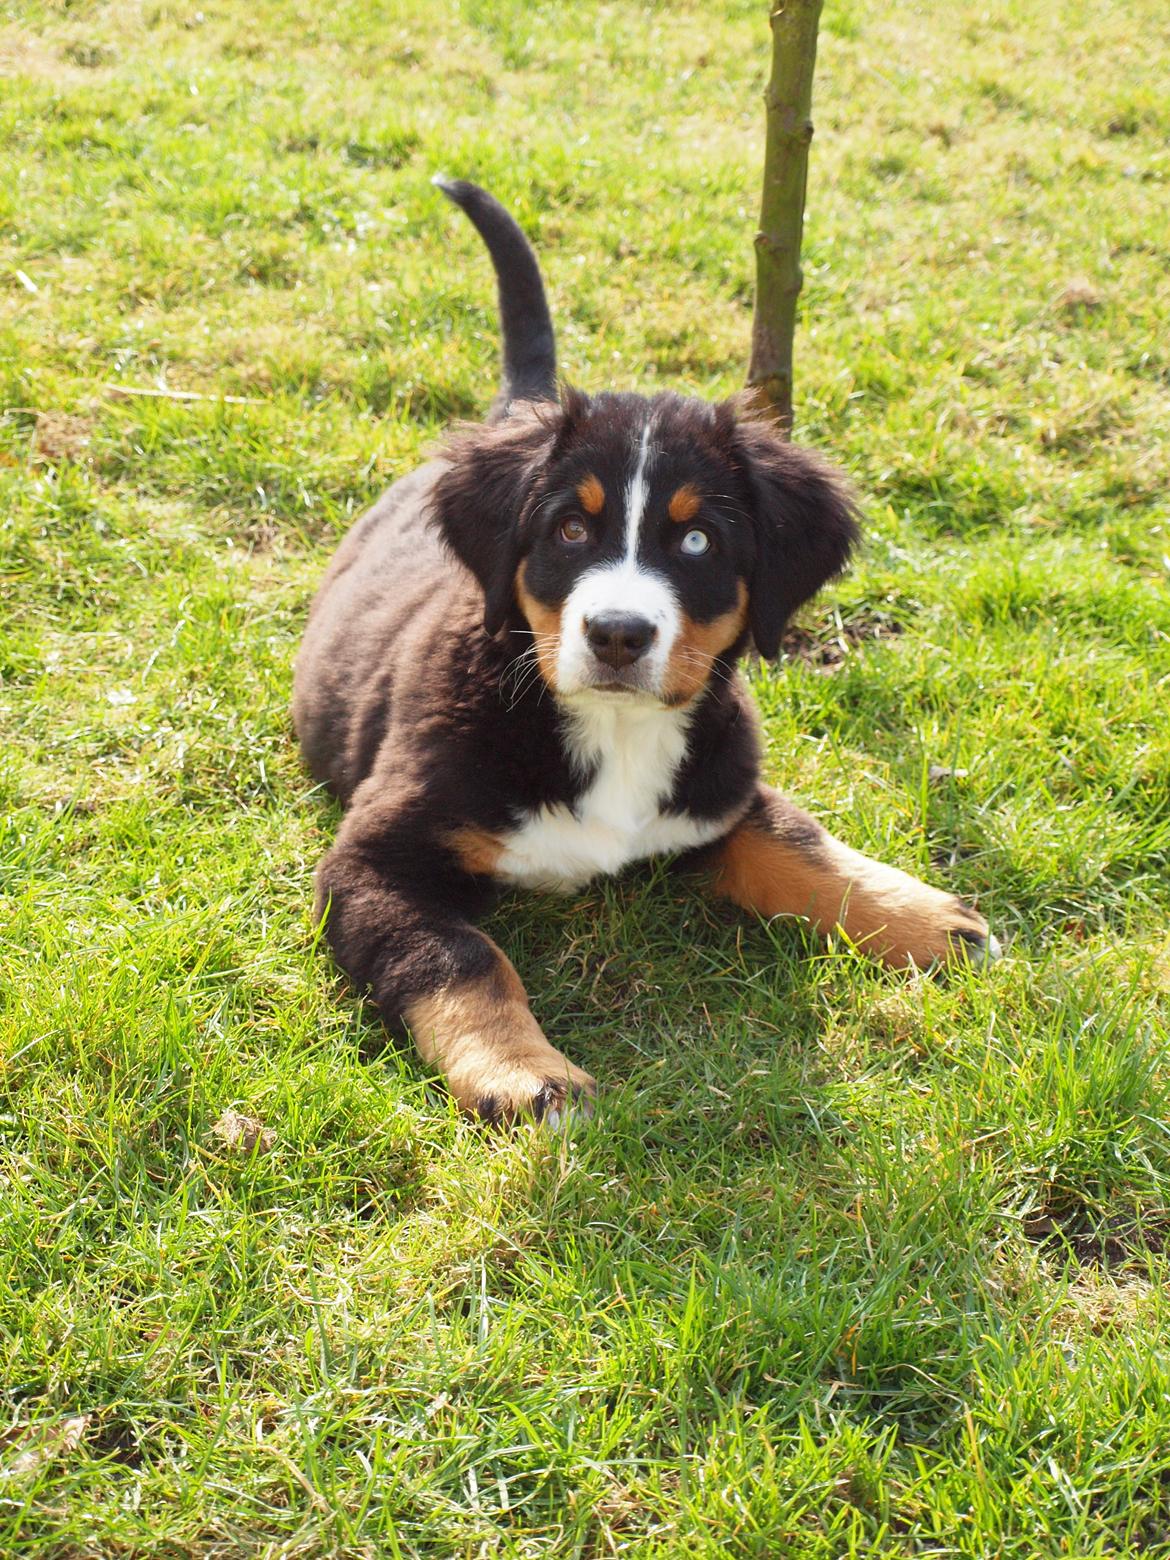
494, 1055
554, 1102
549, 1090
977, 944
905, 922
931, 928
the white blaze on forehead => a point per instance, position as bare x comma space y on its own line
637, 493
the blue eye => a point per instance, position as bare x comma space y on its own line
695, 544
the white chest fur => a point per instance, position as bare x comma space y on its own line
633, 750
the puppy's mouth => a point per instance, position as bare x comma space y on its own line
634, 685
609, 679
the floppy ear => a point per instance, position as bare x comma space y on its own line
483, 502
805, 522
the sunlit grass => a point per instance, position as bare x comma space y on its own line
849, 1264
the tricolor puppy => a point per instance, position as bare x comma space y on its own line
520, 670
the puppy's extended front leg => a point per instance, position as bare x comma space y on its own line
426, 964
779, 861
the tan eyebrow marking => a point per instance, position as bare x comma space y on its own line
592, 495
684, 504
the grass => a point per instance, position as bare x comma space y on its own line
851, 1265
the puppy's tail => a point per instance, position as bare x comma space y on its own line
530, 352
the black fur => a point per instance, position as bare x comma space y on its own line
530, 352
804, 518
485, 499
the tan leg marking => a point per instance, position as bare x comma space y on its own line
545, 623
689, 664
809, 873
592, 495
477, 850
482, 1036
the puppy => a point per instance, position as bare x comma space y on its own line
520, 669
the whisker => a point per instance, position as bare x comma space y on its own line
714, 666
525, 670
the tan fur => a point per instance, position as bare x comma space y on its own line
592, 495
481, 1034
696, 647
885, 911
545, 623
684, 503
477, 850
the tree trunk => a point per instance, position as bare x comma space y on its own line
789, 131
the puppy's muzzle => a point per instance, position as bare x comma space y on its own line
619, 639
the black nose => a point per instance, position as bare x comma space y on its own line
619, 638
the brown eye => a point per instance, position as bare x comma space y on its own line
574, 530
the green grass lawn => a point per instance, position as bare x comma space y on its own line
850, 1263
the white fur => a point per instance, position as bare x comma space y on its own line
637, 493
624, 586
616, 587
637, 745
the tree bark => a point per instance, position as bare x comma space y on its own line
788, 100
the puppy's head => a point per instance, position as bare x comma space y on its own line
642, 542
